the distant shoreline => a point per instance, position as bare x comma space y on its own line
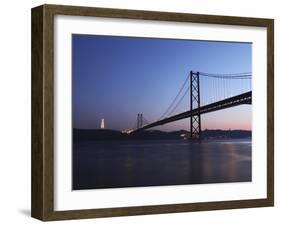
107, 134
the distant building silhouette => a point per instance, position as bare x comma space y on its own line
102, 123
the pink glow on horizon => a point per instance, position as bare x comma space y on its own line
228, 125
236, 118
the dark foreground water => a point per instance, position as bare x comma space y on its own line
153, 163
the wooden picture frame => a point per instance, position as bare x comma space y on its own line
43, 108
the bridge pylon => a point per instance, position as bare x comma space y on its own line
195, 118
139, 121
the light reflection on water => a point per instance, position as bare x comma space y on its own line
154, 163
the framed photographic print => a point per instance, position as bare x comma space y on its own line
141, 112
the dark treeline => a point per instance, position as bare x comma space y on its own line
106, 134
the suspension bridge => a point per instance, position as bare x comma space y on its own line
219, 91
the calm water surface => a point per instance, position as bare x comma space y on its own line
113, 164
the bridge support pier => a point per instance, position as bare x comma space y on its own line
139, 121
195, 118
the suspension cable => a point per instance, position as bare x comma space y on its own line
174, 100
241, 74
180, 100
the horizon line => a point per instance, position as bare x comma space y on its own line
161, 130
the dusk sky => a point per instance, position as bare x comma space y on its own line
116, 78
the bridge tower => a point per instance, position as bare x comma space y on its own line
195, 118
139, 121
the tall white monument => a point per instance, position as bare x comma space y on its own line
102, 123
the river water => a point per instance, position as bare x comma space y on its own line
116, 164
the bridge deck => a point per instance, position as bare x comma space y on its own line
244, 98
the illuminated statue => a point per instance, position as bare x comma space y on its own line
102, 123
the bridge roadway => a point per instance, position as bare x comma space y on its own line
244, 98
